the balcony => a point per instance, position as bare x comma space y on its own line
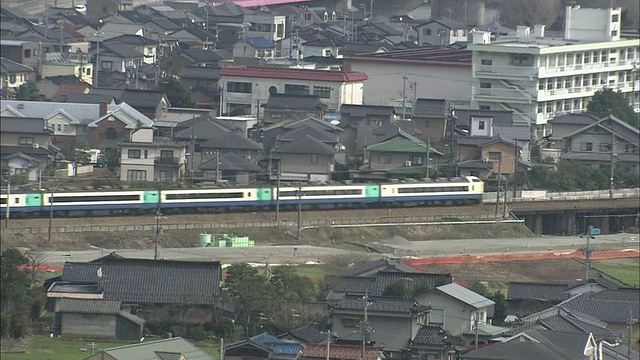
586, 68
162, 160
491, 71
492, 94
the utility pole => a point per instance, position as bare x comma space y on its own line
452, 128
329, 334
499, 184
278, 184
476, 331
428, 156
587, 254
299, 193
6, 219
221, 348
159, 216
404, 97
217, 166
515, 170
96, 71
612, 165
364, 326
50, 213
193, 146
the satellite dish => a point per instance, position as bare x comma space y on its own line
99, 272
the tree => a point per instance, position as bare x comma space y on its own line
500, 308
529, 13
397, 289
178, 95
609, 102
28, 91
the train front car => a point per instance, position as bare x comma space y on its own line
441, 191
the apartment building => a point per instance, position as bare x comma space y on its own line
540, 77
246, 88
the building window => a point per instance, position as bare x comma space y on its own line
615, 18
586, 146
323, 92
587, 57
65, 127
275, 115
495, 155
604, 147
27, 53
166, 153
314, 159
485, 85
88, 71
487, 62
12, 79
375, 123
111, 134
106, 65
133, 154
59, 127
239, 87
522, 59
416, 159
614, 32
436, 317
350, 322
384, 159
481, 125
484, 107
25, 141
296, 89
136, 175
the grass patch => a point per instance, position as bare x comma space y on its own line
627, 272
45, 348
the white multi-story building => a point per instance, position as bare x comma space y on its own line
540, 77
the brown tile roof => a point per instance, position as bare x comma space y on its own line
339, 352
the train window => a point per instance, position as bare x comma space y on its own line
98, 198
16, 200
322, 192
477, 180
3, 201
233, 195
432, 189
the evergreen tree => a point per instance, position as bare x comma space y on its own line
608, 102
178, 95
28, 91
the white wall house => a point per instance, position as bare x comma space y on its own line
245, 88
540, 77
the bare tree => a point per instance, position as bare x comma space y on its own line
529, 13
36, 259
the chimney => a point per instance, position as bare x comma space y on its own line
523, 32
103, 108
538, 31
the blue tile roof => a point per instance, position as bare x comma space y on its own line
261, 43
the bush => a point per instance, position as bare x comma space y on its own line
161, 327
197, 332
5, 324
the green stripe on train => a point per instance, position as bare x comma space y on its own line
264, 194
151, 197
372, 191
33, 200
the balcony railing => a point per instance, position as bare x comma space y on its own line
491, 70
503, 93
166, 160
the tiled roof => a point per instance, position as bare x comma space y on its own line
527, 350
349, 284
12, 67
231, 162
122, 50
430, 108
142, 98
88, 98
411, 281
203, 127
475, 164
606, 125
200, 73
307, 333
399, 142
301, 132
116, 93
465, 295
420, 56
619, 294
89, 306
72, 88
231, 140
435, 336
379, 304
339, 352
366, 110
609, 311
558, 318
131, 117
271, 344
83, 113
600, 280
132, 40
408, 127
23, 125
260, 42
151, 281
553, 292
574, 119
294, 102
293, 74
316, 123
446, 22
203, 56
150, 349
306, 145
513, 132
384, 263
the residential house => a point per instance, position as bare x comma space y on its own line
148, 47
414, 282
21, 51
399, 154
194, 39
554, 75
171, 348
340, 352
97, 319
49, 86
18, 163
487, 157
28, 136
153, 104
265, 24
143, 158
540, 344
230, 168
245, 86
432, 118
305, 335
432, 343
205, 77
608, 140
527, 298
284, 108
75, 64
441, 32
561, 126
116, 126
207, 58
337, 286
263, 347
371, 268
118, 64
13, 75
255, 47
359, 122
392, 322
151, 289
459, 311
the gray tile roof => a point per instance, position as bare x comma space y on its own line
411, 280
203, 127
301, 132
513, 350
306, 145
465, 295
366, 110
317, 123
609, 311
90, 306
600, 280
384, 263
122, 50
408, 127
142, 98
88, 98
574, 119
349, 284
294, 102
558, 318
512, 132
115, 93
151, 281
379, 304
149, 350
538, 291
606, 125
12, 67
23, 125
231, 140
307, 333
200, 73
435, 336
231, 162
132, 40
619, 294
430, 108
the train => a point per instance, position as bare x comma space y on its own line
454, 191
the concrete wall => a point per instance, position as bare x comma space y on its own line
301, 164
397, 160
393, 330
13, 139
88, 325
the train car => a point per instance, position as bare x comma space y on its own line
207, 198
330, 195
448, 190
20, 203
100, 201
